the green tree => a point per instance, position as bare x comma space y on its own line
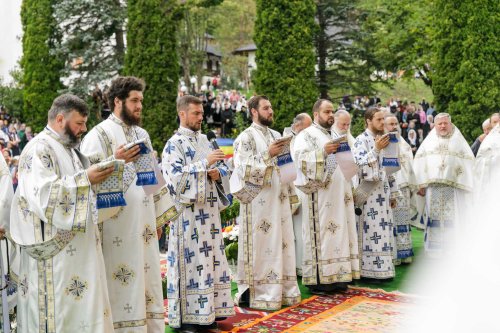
232, 31
397, 34
197, 21
466, 81
151, 54
41, 68
93, 46
345, 66
285, 56
11, 95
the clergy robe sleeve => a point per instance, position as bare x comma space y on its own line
311, 164
187, 179
96, 147
394, 187
367, 161
254, 169
62, 201
257, 168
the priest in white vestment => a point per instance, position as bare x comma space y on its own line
487, 164
8, 250
375, 195
266, 254
444, 171
62, 282
330, 255
405, 203
300, 122
129, 233
199, 284
342, 125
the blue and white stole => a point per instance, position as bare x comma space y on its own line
145, 165
390, 159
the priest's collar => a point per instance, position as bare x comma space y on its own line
56, 136
118, 121
263, 129
322, 129
371, 133
188, 132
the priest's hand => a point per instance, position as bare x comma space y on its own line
421, 192
331, 147
381, 142
129, 155
393, 203
2, 233
213, 174
96, 176
215, 156
275, 148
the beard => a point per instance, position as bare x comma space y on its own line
339, 131
264, 121
326, 124
128, 118
69, 138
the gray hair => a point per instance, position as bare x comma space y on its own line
67, 103
442, 115
299, 118
486, 123
341, 112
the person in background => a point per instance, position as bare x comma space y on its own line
486, 126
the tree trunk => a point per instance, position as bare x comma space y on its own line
322, 52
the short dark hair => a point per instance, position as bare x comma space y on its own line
253, 103
66, 103
318, 103
184, 101
121, 87
369, 113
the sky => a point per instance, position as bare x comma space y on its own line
10, 33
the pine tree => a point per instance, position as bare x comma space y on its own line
93, 46
151, 55
41, 68
466, 81
285, 57
345, 65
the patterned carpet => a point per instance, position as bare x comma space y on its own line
357, 310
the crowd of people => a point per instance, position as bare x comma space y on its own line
221, 108
14, 136
87, 213
416, 120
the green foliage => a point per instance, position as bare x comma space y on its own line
397, 34
196, 21
232, 31
344, 63
231, 251
41, 68
231, 212
151, 55
11, 95
93, 46
241, 124
357, 125
285, 57
466, 81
